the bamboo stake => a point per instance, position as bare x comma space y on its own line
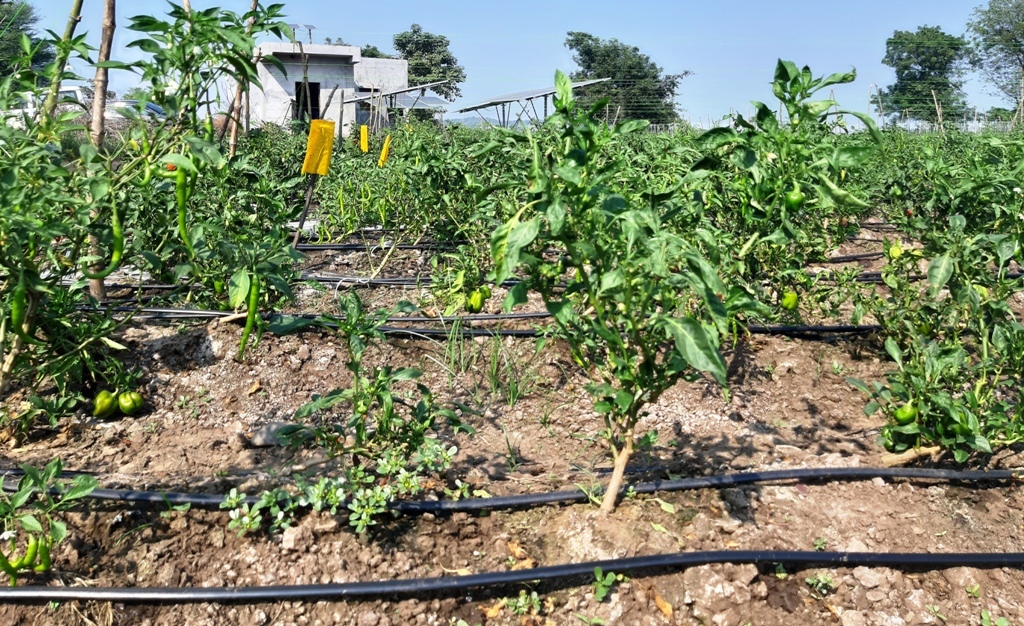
235, 113
99, 105
938, 112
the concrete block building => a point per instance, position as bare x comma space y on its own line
340, 70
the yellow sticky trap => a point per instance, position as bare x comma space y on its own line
364, 138
385, 152
319, 148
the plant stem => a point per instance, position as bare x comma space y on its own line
50, 105
611, 495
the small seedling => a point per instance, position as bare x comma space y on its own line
973, 591
780, 572
590, 621
603, 583
525, 604
820, 544
172, 509
934, 610
988, 620
822, 583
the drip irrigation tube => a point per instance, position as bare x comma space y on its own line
173, 313
406, 281
878, 226
203, 313
867, 256
357, 247
417, 586
557, 497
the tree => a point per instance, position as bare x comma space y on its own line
1000, 114
929, 68
370, 51
998, 37
19, 18
430, 61
638, 88
138, 93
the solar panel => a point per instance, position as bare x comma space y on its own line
525, 95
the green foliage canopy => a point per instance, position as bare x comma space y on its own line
997, 32
638, 89
17, 19
928, 61
430, 60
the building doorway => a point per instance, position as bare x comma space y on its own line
302, 111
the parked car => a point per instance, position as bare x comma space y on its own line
70, 98
123, 109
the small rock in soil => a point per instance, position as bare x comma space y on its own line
854, 618
296, 538
868, 577
269, 435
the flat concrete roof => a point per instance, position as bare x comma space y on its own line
278, 49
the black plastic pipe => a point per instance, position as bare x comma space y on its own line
358, 247
556, 497
417, 587
173, 313
867, 256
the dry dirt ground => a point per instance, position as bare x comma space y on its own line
790, 407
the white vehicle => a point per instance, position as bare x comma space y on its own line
69, 98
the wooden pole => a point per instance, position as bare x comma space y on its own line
99, 105
235, 113
938, 112
305, 80
310, 185
881, 111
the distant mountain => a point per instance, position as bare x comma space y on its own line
471, 121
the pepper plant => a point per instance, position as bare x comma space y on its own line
632, 284
29, 518
52, 202
955, 341
772, 189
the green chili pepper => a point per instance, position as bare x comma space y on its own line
250, 319
45, 558
31, 552
181, 189
118, 252
29, 558
7, 568
19, 304
147, 174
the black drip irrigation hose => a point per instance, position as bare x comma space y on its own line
356, 247
205, 500
416, 587
867, 256
172, 313
878, 226
440, 319
360, 281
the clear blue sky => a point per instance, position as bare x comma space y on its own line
731, 46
